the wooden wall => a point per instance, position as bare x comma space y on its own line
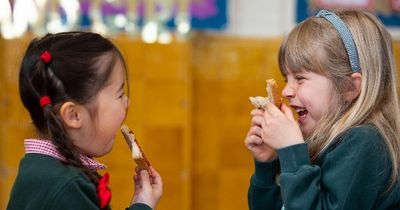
189, 109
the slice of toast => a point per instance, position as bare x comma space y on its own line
273, 93
259, 102
137, 152
274, 97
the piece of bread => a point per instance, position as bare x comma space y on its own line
137, 152
261, 102
273, 93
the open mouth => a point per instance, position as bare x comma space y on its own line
302, 114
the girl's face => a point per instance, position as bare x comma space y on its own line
111, 103
309, 94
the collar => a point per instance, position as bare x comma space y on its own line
46, 147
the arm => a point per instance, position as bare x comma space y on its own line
264, 192
139, 206
350, 176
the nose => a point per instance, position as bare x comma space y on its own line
288, 91
127, 101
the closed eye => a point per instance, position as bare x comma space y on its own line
121, 90
299, 77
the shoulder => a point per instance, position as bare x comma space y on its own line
49, 169
363, 136
51, 183
363, 142
365, 130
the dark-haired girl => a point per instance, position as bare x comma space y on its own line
72, 84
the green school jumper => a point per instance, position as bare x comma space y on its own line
43, 182
353, 174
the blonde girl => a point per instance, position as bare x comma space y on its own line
343, 149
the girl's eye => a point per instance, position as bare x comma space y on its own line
298, 77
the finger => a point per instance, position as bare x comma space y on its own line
256, 131
253, 140
155, 176
257, 120
287, 112
272, 110
266, 115
137, 183
145, 179
137, 177
255, 112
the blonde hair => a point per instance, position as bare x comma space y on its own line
315, 45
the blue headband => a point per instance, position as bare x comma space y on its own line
346, 36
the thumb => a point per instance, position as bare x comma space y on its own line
287, 112
145, 179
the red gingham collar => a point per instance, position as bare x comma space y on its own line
46, 147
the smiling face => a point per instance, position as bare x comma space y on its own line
309, 94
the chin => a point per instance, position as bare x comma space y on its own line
108, 147
306, 132
105, 150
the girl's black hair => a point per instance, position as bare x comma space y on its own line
75, 73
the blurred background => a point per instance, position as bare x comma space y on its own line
192, 66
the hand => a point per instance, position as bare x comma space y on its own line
280, 129
261, 151
148, 188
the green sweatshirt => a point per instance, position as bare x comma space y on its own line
352, 174
43, 182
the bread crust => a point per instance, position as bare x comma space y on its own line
273, 93
274, 97
137, 152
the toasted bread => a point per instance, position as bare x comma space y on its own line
261, 102
273, 93
137, 153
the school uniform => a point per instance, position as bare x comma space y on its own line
44, 182
353, 173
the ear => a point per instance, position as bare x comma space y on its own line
71, 114
354, 91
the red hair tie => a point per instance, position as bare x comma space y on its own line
44, 101
46, 57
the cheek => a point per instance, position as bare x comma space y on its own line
321, 105
314, 101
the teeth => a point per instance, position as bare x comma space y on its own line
300, 110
